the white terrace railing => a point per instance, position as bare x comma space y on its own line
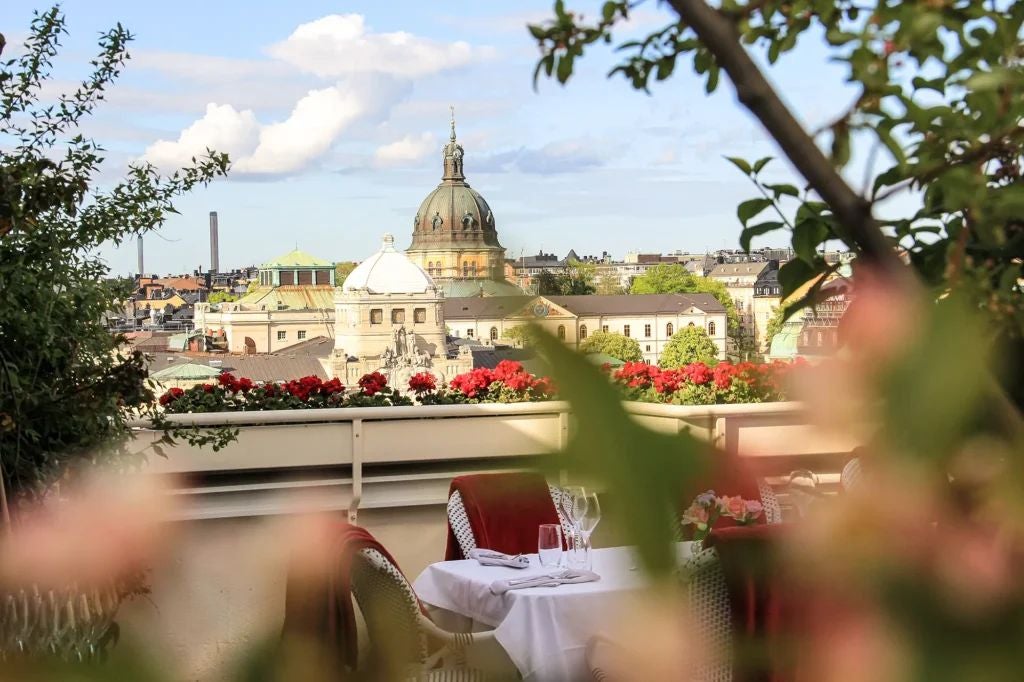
389, 469
358, 458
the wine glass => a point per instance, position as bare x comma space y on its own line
588, 522
574, 504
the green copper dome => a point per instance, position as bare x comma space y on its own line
454, 215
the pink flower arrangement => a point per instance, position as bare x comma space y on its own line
707, 508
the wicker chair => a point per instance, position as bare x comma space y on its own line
852, 475
709, 611
459, 520
405, 643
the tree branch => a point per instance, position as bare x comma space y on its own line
852, 211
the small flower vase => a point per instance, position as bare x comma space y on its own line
698, 546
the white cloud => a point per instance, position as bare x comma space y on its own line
369, 74
313, 126
222, 128
409, 148
340, 44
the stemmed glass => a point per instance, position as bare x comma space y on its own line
588, 522
574, 504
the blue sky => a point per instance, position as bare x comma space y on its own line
335, 125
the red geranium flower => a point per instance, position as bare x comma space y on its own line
697, 373
373, 383
171, 395
422, 382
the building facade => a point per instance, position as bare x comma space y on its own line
651, 319
389, 317
455, 238
740, 279
293, 302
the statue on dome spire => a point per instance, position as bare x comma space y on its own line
452, 154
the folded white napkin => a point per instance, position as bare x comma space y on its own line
553, 579
488, 557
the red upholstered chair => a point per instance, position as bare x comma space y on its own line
500, 512
399, 637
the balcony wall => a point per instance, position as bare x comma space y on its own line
388, 469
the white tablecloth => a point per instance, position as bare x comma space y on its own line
545, 630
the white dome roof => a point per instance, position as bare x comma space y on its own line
388, 272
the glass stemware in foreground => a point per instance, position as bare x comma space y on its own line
574, 504
549, 544
588, 522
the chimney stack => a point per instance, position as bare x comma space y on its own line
142, 270
214, 247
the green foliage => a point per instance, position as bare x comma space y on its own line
66, 384
576, 279
522, 335
675, 279
221, 297
774, 326
616, 345
343, 270
941, 95
688, 345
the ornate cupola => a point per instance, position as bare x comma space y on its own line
454, 236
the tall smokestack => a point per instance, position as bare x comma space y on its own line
142, 270
214, 248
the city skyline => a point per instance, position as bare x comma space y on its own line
335, 124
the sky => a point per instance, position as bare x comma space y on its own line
334, 114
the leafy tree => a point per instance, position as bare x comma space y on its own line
616, 345
949, 131
66, 384
547, 283
610, 285
675, 279
774, 326
689, 344
576, 279
221, 297
343, 270
523, 335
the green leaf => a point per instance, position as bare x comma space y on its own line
761, 163
794, 274
750, 208
564, 68
840, 145
538, 32
783, 189
752, 231
740, 163
665, 66
807, 235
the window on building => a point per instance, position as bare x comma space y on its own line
711, 328
419, 315
561, 332
625, 330
302, 334
287, 277
398, 316
323, 276
583, 331
376, 316
648, 349
430, 268
281, 336
821, 339
669, 330
305, 277
690, 325
494, 333
469, 333
647, 331
465, 268
604, 328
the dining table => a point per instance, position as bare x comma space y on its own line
544, 630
